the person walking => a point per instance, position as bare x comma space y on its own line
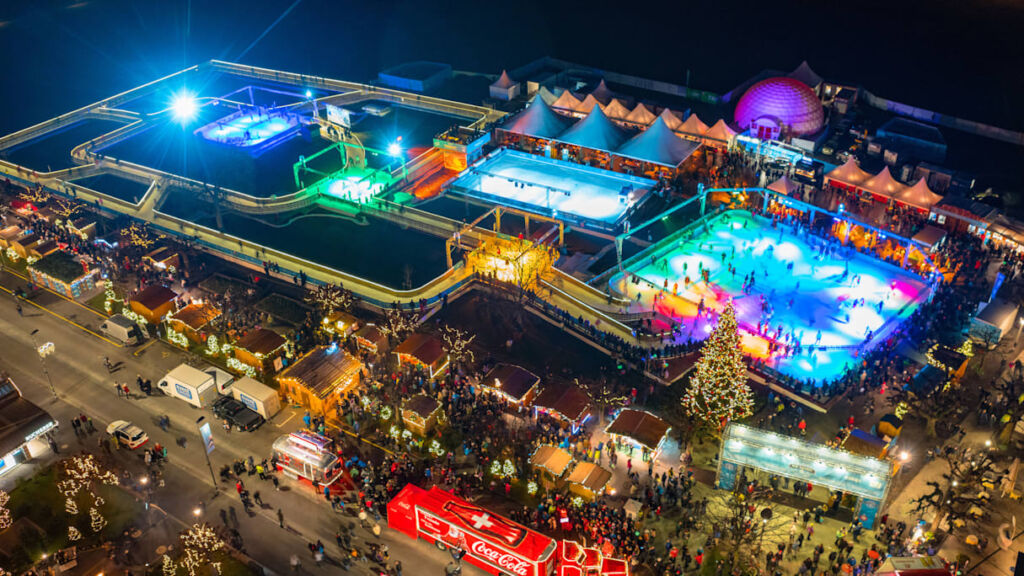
280, 519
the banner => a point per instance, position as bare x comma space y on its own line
339, 115
204, 432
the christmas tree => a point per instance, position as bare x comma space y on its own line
718, 390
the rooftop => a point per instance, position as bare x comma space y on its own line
154, 296
423, 347
261, 341
515, 381
196, 315
422, 405
323, 370
644, 427
60, 265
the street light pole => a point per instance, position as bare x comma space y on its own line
42, 360
206, 451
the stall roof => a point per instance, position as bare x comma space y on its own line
569, 401
588, 105
566, 102
784, 186
804, 74
19, 418
929, 235
602, 93
671, 119
692, 125
323, 369
616, 110
551, 458
644, 427
423, 347
154, 296
641, 115
261, 341
595, 131
849, 173
658, 145
196, 315
60, 265
510, 379
503, 81
883, 184
422, 405
865, 444
590, 476
997, 311
720, 131
537, 120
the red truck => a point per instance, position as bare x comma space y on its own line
491, 542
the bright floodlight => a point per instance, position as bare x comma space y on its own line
309, 93
184, 106
395, 149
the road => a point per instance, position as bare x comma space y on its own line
84, 386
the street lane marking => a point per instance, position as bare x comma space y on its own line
144, 346
286, 420
68, 320
75, 302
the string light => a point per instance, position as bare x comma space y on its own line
175, 337
96, 520
531, 487
73, 534
169, 568
5, 514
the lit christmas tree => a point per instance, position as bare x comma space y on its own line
5, 514
718, 391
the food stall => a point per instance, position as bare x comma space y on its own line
309, 458
588, 480
640, 429
552, 462
513, 383
420, 413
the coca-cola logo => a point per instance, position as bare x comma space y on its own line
500, 559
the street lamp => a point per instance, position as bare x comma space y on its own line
44, 351
207, 440
1020, 326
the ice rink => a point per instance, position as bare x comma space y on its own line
554, 187
248, 128
787, 289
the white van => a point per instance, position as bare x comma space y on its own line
197, 387
120, 328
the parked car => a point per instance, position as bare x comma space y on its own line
127, 434
237, 414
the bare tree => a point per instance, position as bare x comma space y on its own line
605, 396
748, 527
456, 344
35, 195
65, 208
958, 497
933, 406
138, 235
328, 298
398, 324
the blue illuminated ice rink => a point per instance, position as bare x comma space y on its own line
250, 128
554, 187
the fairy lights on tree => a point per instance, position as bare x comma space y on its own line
456, 344
73, 534
34, 196
328, 298
96, 520
5, 514
64, 208
198, 543
139, 235
168, 567
718, 391
397, 324
83, 474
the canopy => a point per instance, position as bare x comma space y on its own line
929, 236
551, 458
642, 427
641, 115
566, 101
546, 95
849, 173
595, 131
720, 131
804, 74
658, 145
784, 186
588, 104
616, 111
919, 195
503, 81
693, 125
590, 476
602, 93
671, 119
537, 120
883, 184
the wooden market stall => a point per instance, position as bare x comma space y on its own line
340, 323
64, 273
552, 462
640, 429
193, 319
260, 348
568, 404
423, 351
154, 302
420, 413
371, 338
317, 380
588, 480
513, 383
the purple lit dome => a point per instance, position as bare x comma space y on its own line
789, 102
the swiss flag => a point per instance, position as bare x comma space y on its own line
483, 522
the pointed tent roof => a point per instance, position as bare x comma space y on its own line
658, 145
602, 93
641, 115
919, 195
670, 118
566, 101
883, 184
693, 125
720, 131
595, 131
588, 104
546, 95
849, 173
537, 120
503, 81
804, 74
784, 186
616, 111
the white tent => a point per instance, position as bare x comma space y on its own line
537, 120
546, 95
616, 111
588, 104
784, 186
720, 132
504, 88
641, 116
566, 102
595, 131
671, 120
693, 125
919, 195
602, 93
883, 184
658, 145
804, 74
849, 173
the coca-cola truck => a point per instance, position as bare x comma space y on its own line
491, 542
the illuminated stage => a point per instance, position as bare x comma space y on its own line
834, 304
252, 129
554, 188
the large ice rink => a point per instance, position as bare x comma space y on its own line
834, 301
554, 187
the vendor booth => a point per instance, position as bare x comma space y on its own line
747, 451
993, 321
317, 380
588, 480
193, 319
154, 302
567, 404
260, 348
423, 351
551, 462
340, 323
512, 383
63, 273
639, 429
420, 414
369, 337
